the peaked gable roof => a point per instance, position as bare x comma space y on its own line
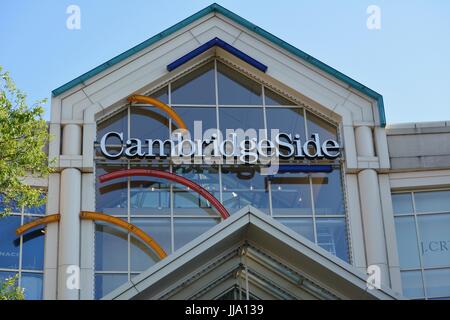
215, 8
328, 273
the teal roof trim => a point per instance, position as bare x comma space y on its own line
245, 23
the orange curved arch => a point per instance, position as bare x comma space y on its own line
155, 102
88, 215
44, 220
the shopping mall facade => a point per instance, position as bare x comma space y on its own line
311, 192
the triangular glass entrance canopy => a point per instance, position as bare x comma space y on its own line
236, 293
250, 256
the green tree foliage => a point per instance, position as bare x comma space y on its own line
23, 137
9, 289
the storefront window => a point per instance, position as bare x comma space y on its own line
207, 116
320, 126
236, 89
23, 255
142, 257
291, 194
188, 202
149, 196
408, 249
241, 118
422, 224
196, 88
117, 122
111, 248
148, 122
303, 226
243, 186
327, 193
173, 215
186, 230
332, 236
273, 99
286, 120
105, 283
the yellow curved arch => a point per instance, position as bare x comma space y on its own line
155, 102
44, 220
88, 215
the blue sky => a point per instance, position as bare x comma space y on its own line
407, 60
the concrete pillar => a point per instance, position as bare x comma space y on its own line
69, 233
71, 144
372, 216
69, 225
371, 209
364, 141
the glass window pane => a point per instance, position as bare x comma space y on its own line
117, 123
412, 284
291, 194
111, 248
402, 203
317, 125
149, 195
328, 193
434, 201
407, 243
162, 95
244, 186
187, 229
434, 232
286, 120
237, 89
33, 248
241, 118
438, 282
106, 283
142, 256
303, 226
149, 123
9, 242
332, 236
189, 202
198, 87
207, 116
274, 99
111, 197
32, 283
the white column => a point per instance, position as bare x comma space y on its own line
69, 232
51, 239
364, 141
71, 142
372, 217
69, 225
371, 209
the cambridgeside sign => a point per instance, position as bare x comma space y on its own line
240, 145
